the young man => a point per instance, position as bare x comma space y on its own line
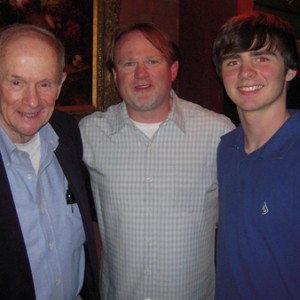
152, 160
47, 245
258, 248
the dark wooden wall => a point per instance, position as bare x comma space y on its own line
199, 22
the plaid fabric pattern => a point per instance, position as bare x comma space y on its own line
156, 201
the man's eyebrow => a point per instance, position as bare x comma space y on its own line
230, 56
13, 76
252, 53
133, 59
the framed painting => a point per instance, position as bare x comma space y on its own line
86, 29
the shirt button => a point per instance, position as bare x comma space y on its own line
57, 281
149, 179
42, 210
29, 176
147, 298
51, 245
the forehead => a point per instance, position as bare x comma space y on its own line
29, 57
31, 47
27, 44
135, 43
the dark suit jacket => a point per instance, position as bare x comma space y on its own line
15, 275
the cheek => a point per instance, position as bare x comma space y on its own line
161, 77
122, 84
230, 75
229, 80
122, 77
9, 97
273, 73
7, 111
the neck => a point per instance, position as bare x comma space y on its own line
258, 129
156, 115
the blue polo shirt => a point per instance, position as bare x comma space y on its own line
258, 247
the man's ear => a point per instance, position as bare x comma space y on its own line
174, 70
290, 74
114, 75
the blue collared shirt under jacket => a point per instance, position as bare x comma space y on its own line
52, 230
258, 248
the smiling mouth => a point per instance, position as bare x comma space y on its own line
250, 88
29, 115
142, 86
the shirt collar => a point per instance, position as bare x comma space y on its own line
47, 136
122, 118
176, 113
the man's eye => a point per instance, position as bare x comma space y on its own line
45, 85
16, 83
262, 59
232, 63
152, 61
128, 64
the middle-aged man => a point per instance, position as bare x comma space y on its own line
152, 161
258, 254
47, 248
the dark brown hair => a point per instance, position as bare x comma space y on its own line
254, 31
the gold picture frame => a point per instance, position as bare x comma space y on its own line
103, 92
86, 29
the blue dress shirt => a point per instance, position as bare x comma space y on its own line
52, 229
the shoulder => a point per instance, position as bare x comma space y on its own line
105, 122
67, 129
234, 137
207, 119
63, 123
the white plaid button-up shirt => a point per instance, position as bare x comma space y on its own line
156, 201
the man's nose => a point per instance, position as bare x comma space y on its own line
141, 70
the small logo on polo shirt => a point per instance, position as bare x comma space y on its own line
264, 209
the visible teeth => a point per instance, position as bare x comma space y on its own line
143, 86
250, 88
29, 115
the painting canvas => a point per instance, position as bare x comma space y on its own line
82, 27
